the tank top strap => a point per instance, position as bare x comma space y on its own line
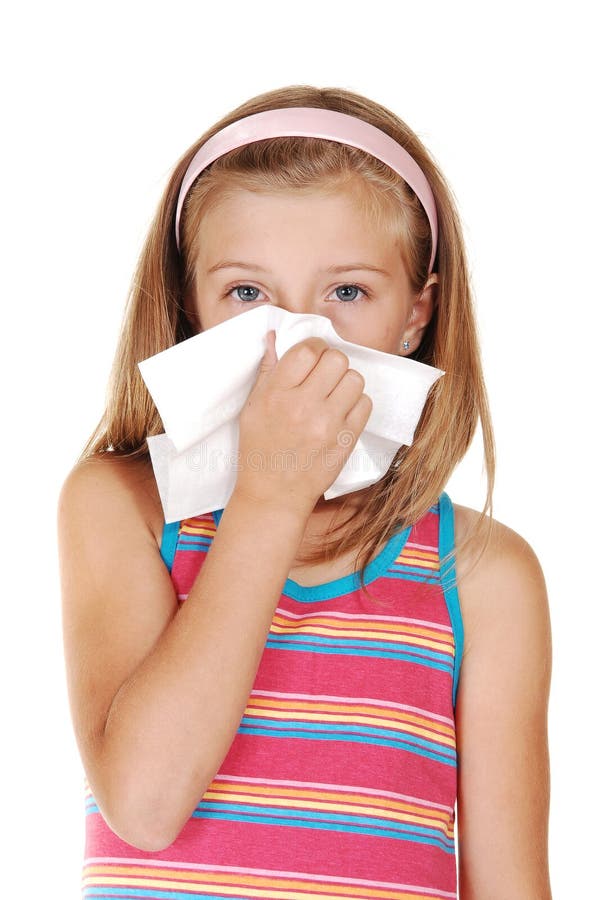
170, 537
448, 579
429, 558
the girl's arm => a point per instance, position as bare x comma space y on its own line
501, 721
156, 691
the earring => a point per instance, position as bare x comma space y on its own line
405, 345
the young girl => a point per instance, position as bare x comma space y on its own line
289, 697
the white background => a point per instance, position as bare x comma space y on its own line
99, 101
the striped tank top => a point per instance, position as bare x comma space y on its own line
341, 779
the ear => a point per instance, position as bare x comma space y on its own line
421, 313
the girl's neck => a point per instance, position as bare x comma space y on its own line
325, 515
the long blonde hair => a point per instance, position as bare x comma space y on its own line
155, 316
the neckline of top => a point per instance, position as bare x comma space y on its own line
346, 583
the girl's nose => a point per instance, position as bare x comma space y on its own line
305, 303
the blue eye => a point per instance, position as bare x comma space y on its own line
244, 292
342, 294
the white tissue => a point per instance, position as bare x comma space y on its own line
200, 385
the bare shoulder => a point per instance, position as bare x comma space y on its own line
117, 593
503, 542
499, 574
116, 486
501, 712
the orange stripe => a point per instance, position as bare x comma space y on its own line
399, 627
407, 560
335, 708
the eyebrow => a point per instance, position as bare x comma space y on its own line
333, 270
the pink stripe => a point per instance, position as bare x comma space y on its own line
366, 701
390, 795
238, 870
421, 546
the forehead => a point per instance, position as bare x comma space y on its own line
344, 216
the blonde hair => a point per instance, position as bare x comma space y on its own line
155, 316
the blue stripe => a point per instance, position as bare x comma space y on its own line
446, 543
291, 816
357, 644
153, 894
448, 757
327, 826
194, 542
170, 533
347, 651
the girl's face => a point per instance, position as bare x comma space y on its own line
307, 253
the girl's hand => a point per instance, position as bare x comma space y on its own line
300, 423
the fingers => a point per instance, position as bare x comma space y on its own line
327, 374
309, 401
299, 361
357, 417
321, 372
347, 390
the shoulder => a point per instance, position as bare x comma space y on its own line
501, 585
501, 711
114, 486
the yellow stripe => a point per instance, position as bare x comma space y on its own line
420, 564
197, 529
394, 637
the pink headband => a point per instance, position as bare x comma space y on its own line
303, 121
